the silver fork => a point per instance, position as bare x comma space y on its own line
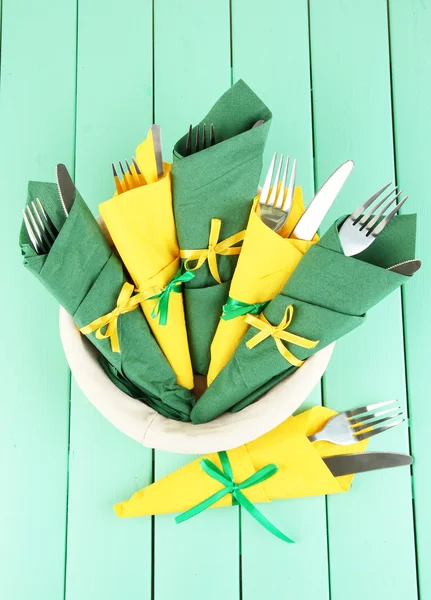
274, 206
130, 179
40, 228
198, 145
343, 429
361, 228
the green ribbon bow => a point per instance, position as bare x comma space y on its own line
161, 307
226, 478
236, 308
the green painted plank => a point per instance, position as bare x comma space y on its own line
192, 69
277, 67
279, 71
192, 63
107, 557
371, 528
114, 90
37, 106
410, 24
200, 555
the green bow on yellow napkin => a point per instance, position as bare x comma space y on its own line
283, 463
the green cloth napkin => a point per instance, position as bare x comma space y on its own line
330, 294
219, 182
83, 273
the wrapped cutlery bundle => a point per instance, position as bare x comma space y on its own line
206, 308
266, 261
83, 273
327, 295
284, 463
141, 224
281, 464
213, 193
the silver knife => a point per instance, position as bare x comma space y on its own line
348, 464
407, 267
316, 211
157, 142
66, 188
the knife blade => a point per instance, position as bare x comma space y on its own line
348, 464
66, 188
407, 267
316, 211
157, 143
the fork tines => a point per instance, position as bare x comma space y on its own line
362, 227
365, 421
130, 180
374, 224
197, 146
277, 197
39, 226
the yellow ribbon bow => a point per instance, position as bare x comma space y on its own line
214, 247
278, 333
125, 303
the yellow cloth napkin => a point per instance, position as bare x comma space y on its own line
301, 472
141, 224
265, 264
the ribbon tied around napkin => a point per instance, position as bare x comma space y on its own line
226, 477
226, 247
126, 302
162, 295
278, 333
235, 308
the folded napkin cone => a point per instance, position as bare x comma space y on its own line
329, 294
141, 224
266, 262
217, 183
301, 471
86, 277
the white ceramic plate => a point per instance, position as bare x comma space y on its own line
147, 427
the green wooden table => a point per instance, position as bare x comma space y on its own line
81, 81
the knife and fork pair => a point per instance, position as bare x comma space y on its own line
276, 202
40, 228
360, 424
358, 231
135, 178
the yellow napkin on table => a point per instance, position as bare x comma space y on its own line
266, 262
301, 471
141, 224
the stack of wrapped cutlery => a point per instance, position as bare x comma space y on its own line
206, 276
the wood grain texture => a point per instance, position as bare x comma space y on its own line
410, 26
192, 69
352, 119
285, 87
108, 558
37, 105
